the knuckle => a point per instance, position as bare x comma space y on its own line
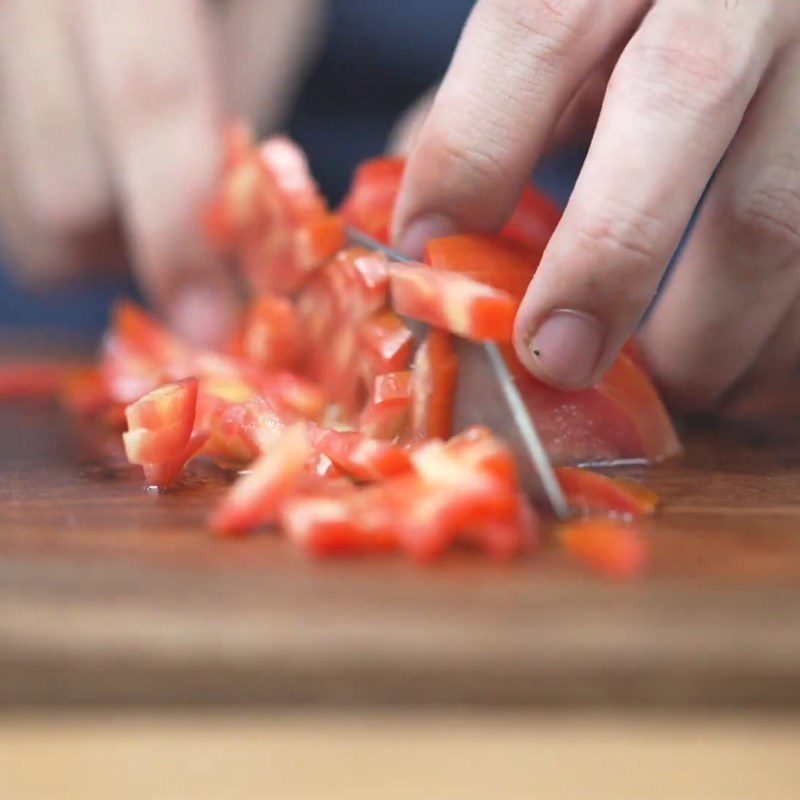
686, 64
145, 91
767, 211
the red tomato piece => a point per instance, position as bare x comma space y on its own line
359, 282
534, 219
434, 386
630, 388
257, 496
385, 343
486, 258
453, 302
30, 379
360, 456
272, 333
387, 412
160, 431
369, 204
611, 547
269, 210
592, 492
295, 395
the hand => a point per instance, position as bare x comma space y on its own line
111, 129
693, 81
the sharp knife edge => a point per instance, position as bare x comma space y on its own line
528, 444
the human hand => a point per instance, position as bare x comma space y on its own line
691, 82
111, 134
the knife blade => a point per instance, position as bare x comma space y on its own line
488, 395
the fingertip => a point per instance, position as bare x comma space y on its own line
563, 348
411, 238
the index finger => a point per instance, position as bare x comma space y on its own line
152, 67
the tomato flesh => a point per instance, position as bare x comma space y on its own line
592, 492
611, 547
453, 302
433, 387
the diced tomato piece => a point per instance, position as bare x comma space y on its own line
593, 492
534, 219
632, 390
610, 547
360, 456
486, 258
256, 497
434, 386
160, 431
30, 379
387, 412
257, 422
269, 210
295, 395
453, 302
369, 204
272, 333
359, 282
216, 402
386, 343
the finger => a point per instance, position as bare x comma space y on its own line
674, 102
57, 168
153, 73
265, 48
406, 129
741, 269
516, 67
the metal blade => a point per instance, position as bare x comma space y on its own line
488, 395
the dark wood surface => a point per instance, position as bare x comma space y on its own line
111, 594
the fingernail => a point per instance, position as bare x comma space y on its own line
202, 315
412, 240
566, 347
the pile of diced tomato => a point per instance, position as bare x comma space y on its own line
337, 418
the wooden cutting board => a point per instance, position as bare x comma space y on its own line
111, 594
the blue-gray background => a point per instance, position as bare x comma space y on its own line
379, 57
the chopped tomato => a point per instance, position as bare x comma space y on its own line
434, 386
611, 547
272, 333
386, 344
360, 456
534, 219
369, 204
31, 379
295, 395
387, 412
269, 210
593, 492
629, 387
256, 497
159, 435
486, 258
359, 282
453, 302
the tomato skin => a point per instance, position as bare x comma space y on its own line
487, 258
159, 435
435, 375
590, 491
295, 395
370, 202
534, 219
610, 547
256, 497
453, 302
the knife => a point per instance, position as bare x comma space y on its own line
488, 395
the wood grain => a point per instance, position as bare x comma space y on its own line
109, 594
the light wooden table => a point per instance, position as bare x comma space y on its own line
378, 756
